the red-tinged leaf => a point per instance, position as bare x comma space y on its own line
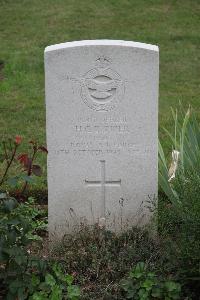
43, 149
24, 160
37, 171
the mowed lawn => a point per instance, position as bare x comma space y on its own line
28, 26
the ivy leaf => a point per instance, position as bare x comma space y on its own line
36, 169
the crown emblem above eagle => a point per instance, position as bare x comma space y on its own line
102, 62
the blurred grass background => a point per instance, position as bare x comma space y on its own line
28, 26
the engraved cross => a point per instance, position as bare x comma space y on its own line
103, 183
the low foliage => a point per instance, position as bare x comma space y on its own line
100, 259
144, 285
22, 275
54, 286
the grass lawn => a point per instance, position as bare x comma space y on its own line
28, 26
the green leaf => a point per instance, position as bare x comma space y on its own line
27, 178
21, 293
39, 296
10, 204
12, 236
69, 279
172, 286
14, 221
138, 271
73, 292
58, 271
35, 280
157, 293
147, 284
13, 181
143, 294
49, 279
126, 284
20, 259
15, 285
56, 293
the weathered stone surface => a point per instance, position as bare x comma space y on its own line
102, 106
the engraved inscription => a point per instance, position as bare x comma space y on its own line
98, 137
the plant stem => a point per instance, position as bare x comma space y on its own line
29, 171
8, 165
5, 151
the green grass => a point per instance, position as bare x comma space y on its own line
28, 26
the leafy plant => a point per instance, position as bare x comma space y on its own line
55, 286
144, 285
10, 156
24, 276
18, 228
27, 161
185, 152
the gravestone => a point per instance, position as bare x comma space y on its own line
102, 106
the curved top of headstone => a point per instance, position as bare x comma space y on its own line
102, 43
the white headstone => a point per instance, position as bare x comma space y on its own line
102, 107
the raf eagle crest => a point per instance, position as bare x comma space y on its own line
102, 87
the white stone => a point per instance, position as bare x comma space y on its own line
102, 114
